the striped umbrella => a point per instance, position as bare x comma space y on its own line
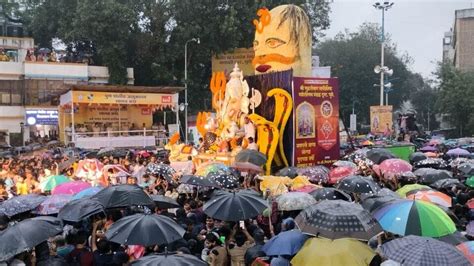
467, 248
414, 217
433, 197
53, 181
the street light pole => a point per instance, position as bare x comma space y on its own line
384, 7
186, 87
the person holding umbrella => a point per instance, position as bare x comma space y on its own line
240, 241
214, 252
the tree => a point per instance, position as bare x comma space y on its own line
456, 98
352, 57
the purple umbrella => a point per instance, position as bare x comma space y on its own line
52, 204
428, 149
458, 152
71, 188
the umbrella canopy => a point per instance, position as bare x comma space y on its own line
197, 181
144, 229
316, 174
414, 217
306, 188
293, 201
277, 185
429, 176
290, 172
447, 183
466, 169
458, 152
340, 172
436, 163
467, 249
470, 228
88, 192
225, 180
416, 157
378, 155
358, 184
417, 250
321, 252
247, 167
428, 148
373, 203
80, 209
52, 204
169, 260
470, 182
123, 196
205, 169
433, 197
71, 187
164, 202
344, 163
403, 191
53, 181
27, 234
338, 219
392, 167
285, 243
21, 204
251, 156
161, 170
454, 239
234, 206
329, 193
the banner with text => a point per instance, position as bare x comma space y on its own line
381, 119
316, 120
225, 62
98, 97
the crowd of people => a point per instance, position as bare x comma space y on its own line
213, 241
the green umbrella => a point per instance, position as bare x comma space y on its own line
470, 181
53, 181
407, 188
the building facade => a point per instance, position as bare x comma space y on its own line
458, 44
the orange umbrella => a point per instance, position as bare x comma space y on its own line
432, 196
431, 154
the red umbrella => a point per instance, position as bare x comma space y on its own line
470, 204
392, 167
339, 173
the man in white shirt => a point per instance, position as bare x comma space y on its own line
249, 128
252, 145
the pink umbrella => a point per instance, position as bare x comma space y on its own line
71, 188
307, 188
392, 167
339, 173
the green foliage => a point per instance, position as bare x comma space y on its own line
352, 57
456, 98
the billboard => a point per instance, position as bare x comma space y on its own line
225, 62
381, 119
41, 117
316, 121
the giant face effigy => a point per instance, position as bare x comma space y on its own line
282, 41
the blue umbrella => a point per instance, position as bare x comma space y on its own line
285, 243
21, 204
87, 192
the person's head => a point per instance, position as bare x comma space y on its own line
131, 180
212, 240
288, 224
80, 238
210, 222
103, 246
246, 120
250, 139
60, 241
240, 238
259, 236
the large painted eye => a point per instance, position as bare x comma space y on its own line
274, 42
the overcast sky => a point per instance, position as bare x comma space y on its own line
416, 26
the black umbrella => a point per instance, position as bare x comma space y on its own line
436, 163
454, 239
417, 156
161, 170
429, 176
466, 169
251, 156
447, 183
378, 155
224, 180
21, 204
358, 184
144, 229
329, 193
80, 209
290, 172
234, 206
27, 234
417, 250
123, 196
197, 181
107, 152
169, 260
373, 203
338, 219
164, 202
316, 174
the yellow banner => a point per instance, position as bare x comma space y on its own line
381, 119
98, 97
225, 62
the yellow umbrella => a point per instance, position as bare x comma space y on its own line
326, 252
299, 182
276, 184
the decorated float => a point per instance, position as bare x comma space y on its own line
279, 110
